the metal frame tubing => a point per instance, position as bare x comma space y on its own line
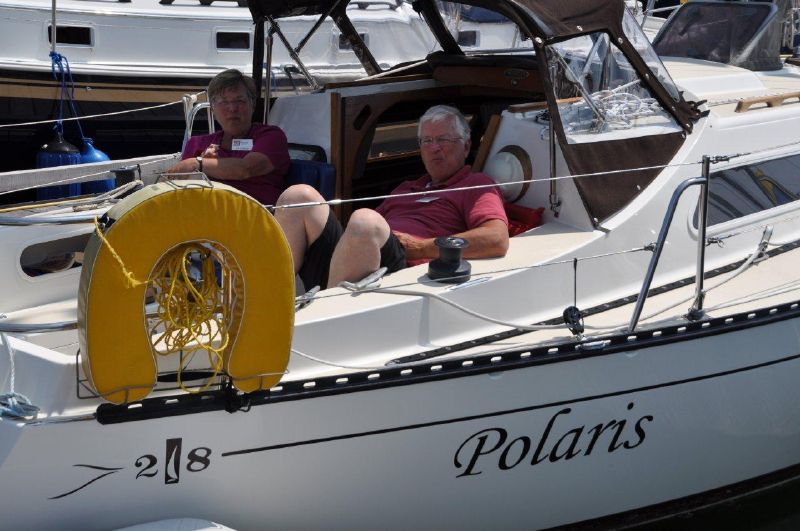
662, 236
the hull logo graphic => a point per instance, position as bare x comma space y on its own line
147, 466
104, 471
495, 448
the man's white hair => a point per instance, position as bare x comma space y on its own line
439, 113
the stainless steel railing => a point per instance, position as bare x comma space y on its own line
696, 311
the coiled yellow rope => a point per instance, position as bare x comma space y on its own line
192, 312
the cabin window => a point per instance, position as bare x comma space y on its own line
481, 29
600, 96
53, 256
397, 138
74, 35
344, 44
467, 38
737, 192
227, 40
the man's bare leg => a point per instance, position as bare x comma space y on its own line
359, 250
302, 225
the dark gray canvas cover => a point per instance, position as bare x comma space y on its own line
747, 35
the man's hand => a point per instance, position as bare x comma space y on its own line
417, 248
488, 240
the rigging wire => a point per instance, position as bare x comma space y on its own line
335, 202
90, 116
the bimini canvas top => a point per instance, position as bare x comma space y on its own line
546, 21
552, 19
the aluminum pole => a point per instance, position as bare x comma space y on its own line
658, 246
696, 312
53, 29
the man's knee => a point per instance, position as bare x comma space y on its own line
367, 225
299, 193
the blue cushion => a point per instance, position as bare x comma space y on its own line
320, 175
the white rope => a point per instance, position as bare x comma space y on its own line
733, 274
774, 291
111, 196
612, 329
413, 293
753, 297
758, 228
90, 116
337, 365
13, 404
619, 109
489, 273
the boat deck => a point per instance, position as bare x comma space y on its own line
724, 86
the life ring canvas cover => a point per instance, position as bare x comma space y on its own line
116, 352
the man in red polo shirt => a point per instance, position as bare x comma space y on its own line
401, 231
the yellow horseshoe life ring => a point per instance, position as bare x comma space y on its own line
116, 347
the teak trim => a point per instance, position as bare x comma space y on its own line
771, 101
486, 143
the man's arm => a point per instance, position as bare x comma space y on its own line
488, 240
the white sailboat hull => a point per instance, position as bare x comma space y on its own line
510, 448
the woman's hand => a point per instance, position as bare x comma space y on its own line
185, 166
211, 152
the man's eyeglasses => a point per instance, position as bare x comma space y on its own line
428, 141
238, 102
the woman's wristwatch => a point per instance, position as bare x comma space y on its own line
199, 164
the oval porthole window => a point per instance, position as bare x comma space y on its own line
512, 167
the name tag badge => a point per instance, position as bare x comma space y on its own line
427, 199
242, 144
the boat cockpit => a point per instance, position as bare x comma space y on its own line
599, 78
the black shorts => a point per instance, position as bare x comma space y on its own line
393, 254
317, 261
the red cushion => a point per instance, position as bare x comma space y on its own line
521, 219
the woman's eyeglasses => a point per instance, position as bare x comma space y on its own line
239, 102
428, 141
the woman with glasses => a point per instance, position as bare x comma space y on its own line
253, 158
449, 200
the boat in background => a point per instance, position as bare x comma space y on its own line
635, 356
145, 55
